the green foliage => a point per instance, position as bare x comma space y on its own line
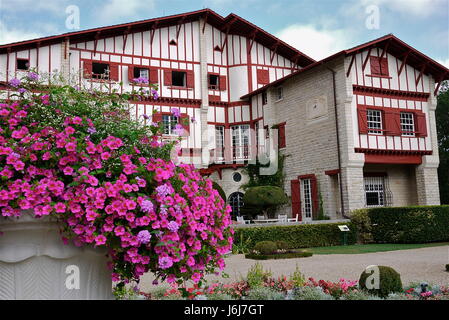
219, 296
109, 112
442, 124
257, 276
265, 199
220, 190
241, 245
282, 245
418, 224
298, 278
297, 236
389, 282
256, 180
358, 295
362, 222
310, 293
266, 247
277, 256
321, 214
264, 293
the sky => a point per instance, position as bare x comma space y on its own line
318, 28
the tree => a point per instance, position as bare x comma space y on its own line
442, 123
266, 199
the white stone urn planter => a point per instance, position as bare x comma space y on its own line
36, 264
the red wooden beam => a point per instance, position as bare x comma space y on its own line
153, 31
421, 73
125, 37
275, 49
439, 84
178, 26
205, 21
366, 59
350, 66
385, 49
253, 38
97, 36
404, 62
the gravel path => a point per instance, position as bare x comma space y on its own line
413, 265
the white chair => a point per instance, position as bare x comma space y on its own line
293, 219
241, 220
282, 218
260, 217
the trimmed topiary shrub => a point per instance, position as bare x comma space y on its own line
266, 198
266, 247
389, 282
296, 236
362, 222
282, 245
417, 224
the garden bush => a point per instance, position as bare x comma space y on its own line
389, 282
266, 247
264, 293
282, 245
257, 276
297, 236
287, 255
417, 224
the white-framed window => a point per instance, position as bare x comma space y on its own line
219, 143
407, 124
279, 93
170, 123
307, 198
374, 121
240, 142
374, 191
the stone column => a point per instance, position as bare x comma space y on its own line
427, 173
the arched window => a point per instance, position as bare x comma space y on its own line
236, 203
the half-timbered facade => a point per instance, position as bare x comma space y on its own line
366, 127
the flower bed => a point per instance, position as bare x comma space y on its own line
75, 155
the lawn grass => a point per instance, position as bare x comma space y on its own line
370, 248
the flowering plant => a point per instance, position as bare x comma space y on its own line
76, 155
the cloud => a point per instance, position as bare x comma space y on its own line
115, 10
316, 42
8, 35
417, 8
53, 6
444, 62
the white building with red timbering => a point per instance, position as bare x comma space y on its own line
358, 128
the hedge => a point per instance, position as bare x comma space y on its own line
278, 256
418, 224
297, 236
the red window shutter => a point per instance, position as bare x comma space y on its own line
185, 122
392, 120
157, 117
167, 77
190, 79
363, 120
375, 66
384, 67
420, 124
223, 83
130, 73
263, 76
281, 131
315, 202
296, 198
154, 76
87, 69
114, 72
